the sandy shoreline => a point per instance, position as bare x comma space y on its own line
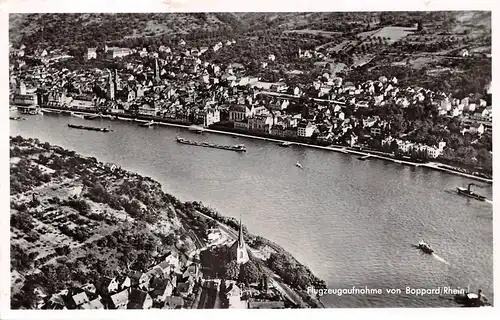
430, 165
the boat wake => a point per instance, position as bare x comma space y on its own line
489, 201
438, 258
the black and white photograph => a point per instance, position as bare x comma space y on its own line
250, 160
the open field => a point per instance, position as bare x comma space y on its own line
392, 34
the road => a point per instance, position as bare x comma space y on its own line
207, 299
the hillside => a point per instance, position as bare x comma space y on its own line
92, 29
75, 220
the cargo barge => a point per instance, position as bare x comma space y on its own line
74, 126
238, 147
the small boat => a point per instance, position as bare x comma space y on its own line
284, 144
235, 137
196, 129
148, 124
298, 165
363, 158
124, 119
468, 193
424, 247
76, 115
51, 112
16, 118
90, 117
344, 151
471, 299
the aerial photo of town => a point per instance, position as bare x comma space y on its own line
250, 160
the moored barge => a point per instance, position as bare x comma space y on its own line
75, 126
238, 147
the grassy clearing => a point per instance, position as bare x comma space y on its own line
392, 34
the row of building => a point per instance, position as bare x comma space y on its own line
180, 86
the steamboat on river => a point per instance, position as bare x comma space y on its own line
469, 193
238, 147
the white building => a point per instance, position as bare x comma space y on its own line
91, 53
260, 123
239, 112
233, 295
211, 116
118, 52
305, 130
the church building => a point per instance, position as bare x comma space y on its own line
239, 248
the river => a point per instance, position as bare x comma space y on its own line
352, 222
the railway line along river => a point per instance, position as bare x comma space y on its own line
354, 223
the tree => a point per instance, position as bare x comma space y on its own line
419, 26
249, 272
232, 270
141, 262
63, 251
394, 146
212, 223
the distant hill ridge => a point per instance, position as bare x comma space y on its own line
65, 29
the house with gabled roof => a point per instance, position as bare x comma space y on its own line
89, 287
92, 305
124, 282
120, 300
160, 289
56, 302
138, 278
80, 298
114, 285
139, 299
185, 285
174, 303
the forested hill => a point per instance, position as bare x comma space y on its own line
94, 28
91, 29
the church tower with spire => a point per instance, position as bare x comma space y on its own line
110, 94
157, 71
239, 248
115, 80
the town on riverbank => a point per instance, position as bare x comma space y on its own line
410, 88
90, 235
348, 94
